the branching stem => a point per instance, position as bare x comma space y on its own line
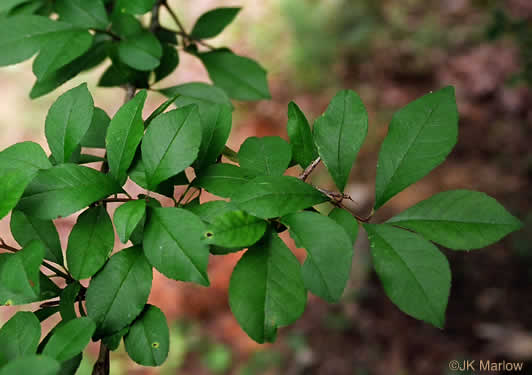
304, 175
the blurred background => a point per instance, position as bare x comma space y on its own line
390, 52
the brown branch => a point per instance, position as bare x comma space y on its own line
114, 200
101, 367
304, 175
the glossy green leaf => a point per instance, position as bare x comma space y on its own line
24, 35
216, 123
339, 134
169, 61
210, 210
303, 147
90, 242
82, 13
69, 297
67, 121
113, 341
19, 164
26, 228
19, 336
223, 179
212, 23
266, 156
235, 229
266, 289
71, 366
69, 339
419, 138
31, 364
459, 219
142, 51
202, 94
127, 217
7, 5
273, 196
347, 221
95, 135
414, 273
134, 6
329, 253
20, 276
171, 144
173, 244
61, 49
118, 293
240, 77
148, 339
124, 135
93, 57
65, 189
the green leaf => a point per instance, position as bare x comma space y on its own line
20, 276
127, 217
125, 25
328, 265
65, 189
240, 77
414, 273
235, 229
23, 36
202, 94
209, 211
142, 51
67, 121
148, 339
31, 364
212, 23
222, 179
67, 301
7, 5
347, 221
113, 341
124, 135
420, 137
26, 228
81, 13
171, 144
93, 57
266, 289
173, 244
459, 219
69, 339
266, 156
339, 134
118, 293
48, 288
95, 135
71, 366
19, 336
134, 6
273, 196
215, 127
61, 49
90, 242
169, 62
19, 164
298, 128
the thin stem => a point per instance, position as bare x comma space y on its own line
175, 18
191, 38
183, 195
57, 271
108, 32
5, 246
230, 154
82, 311
114, 200
154, 23
101, 367
303, 176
